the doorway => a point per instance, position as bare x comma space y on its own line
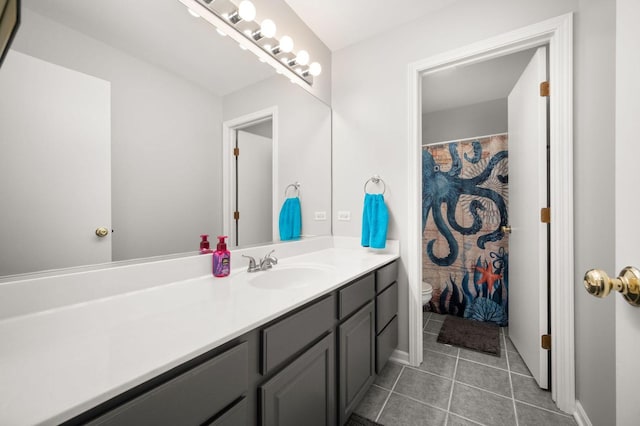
484, 171
250, 174
557, 34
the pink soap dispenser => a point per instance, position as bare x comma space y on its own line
221, 259
204, 244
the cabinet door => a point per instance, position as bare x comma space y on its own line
304, 392
357, 359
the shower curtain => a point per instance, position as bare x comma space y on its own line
464, 204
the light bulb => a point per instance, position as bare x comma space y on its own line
286, 44
267, 47
268, 28
192, 13
248, 33
247, 11
315, 69
303, 57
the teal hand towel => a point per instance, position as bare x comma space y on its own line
375, 219
290, 222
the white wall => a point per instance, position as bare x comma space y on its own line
304, 143
370, 104
166, 142
469, 121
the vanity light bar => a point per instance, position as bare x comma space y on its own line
250, 39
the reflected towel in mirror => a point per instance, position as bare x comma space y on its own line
290, 222
375, 219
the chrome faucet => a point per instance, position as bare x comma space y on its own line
266, 262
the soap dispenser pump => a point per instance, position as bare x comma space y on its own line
221, 259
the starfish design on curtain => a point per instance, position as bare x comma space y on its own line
488, 276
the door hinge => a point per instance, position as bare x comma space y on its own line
544, 89
236, 215
545, 215
545, 341
236, 152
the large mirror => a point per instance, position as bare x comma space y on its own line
112, 116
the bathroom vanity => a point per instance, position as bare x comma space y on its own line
298, 344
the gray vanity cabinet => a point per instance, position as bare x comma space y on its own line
304, 392
308, 367
191, 398
386, 313
356, 359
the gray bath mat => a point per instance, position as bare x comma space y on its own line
356, 420
471, 334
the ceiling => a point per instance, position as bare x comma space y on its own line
169, 38
340, 23
473, 84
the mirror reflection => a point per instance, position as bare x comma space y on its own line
114, 115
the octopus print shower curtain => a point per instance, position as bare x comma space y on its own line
464, 205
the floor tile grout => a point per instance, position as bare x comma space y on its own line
513, 398
390, 392
453, 382
560, 413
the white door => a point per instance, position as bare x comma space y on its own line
528, 306
627, 206
55, 141
254, 193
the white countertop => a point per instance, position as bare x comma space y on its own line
58, 363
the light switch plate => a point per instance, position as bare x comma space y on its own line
320, 216
344, 216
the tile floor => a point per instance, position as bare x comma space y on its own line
458, 387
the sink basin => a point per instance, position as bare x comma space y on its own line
290, 277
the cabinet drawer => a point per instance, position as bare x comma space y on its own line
386, 275
235, 416
386, 306
283, 339
386, 342
191, 398
303, 393
356, 295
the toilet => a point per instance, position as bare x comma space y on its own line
427, 290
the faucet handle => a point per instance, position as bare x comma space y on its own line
274, 259
252, 263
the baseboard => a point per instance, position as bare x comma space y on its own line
401, 357
581, 416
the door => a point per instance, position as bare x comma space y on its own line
357, 363
304, 392
528, 305
627, 206
253, 195
55, 125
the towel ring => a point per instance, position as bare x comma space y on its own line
296, 188
375, 179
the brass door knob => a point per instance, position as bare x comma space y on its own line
505, 229
598, 283
102, 232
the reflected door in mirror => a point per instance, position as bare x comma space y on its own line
253, 189
55, 137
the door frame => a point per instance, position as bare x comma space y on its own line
228, 129
558, 34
